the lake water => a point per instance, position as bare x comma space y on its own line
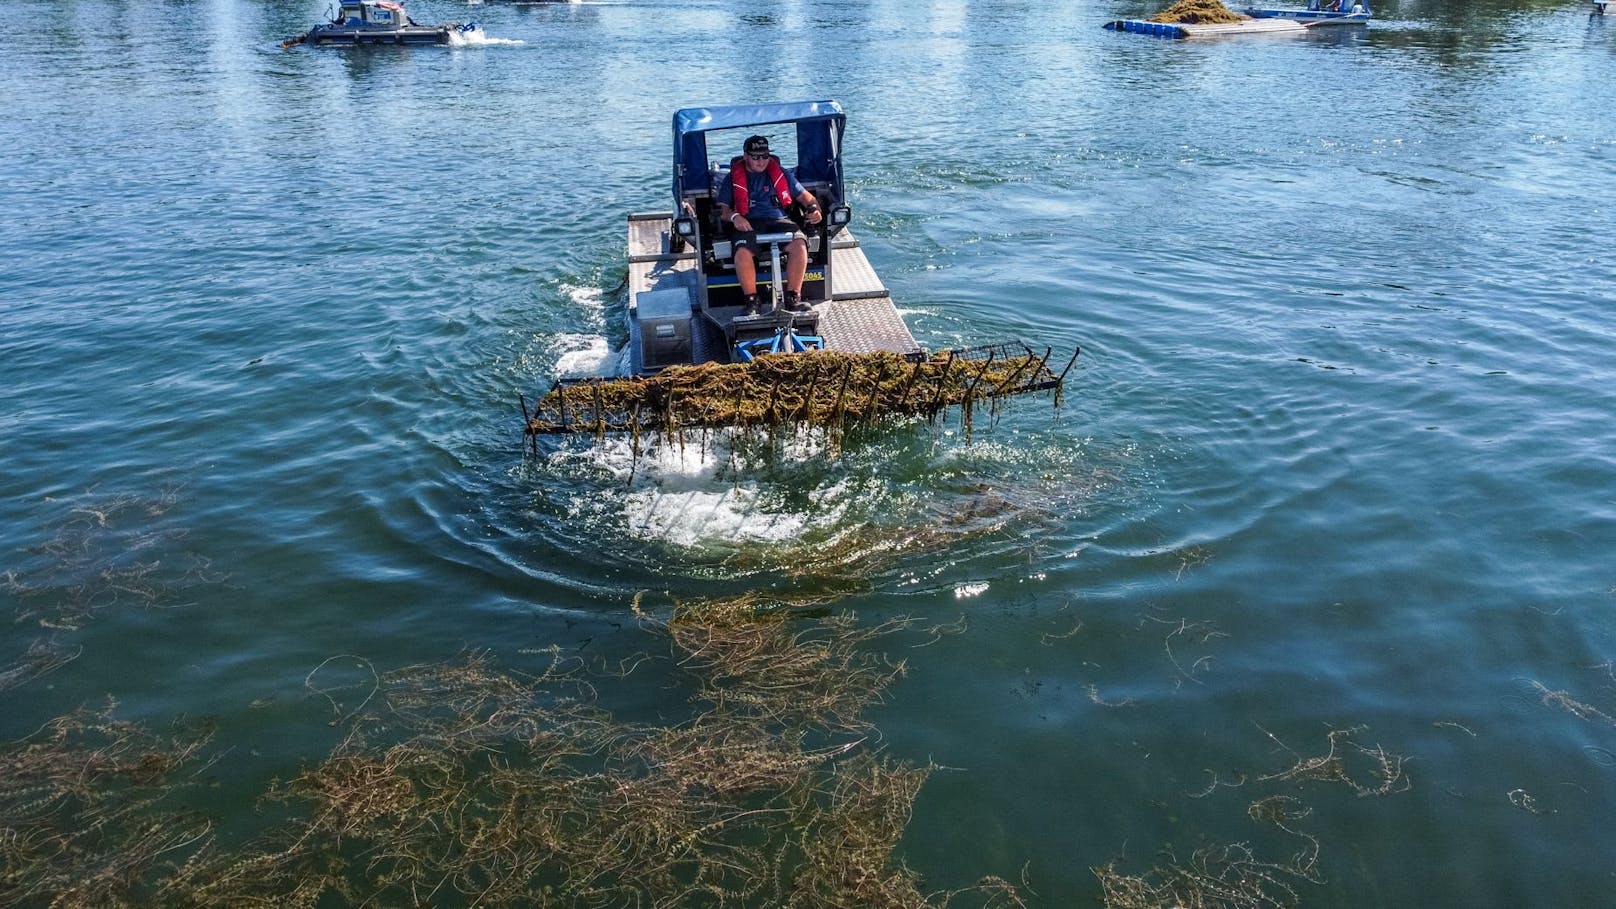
1335, 477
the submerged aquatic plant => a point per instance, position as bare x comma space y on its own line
1232, 875
466, 783
1224, 877
508, 790
83, 819
99, 552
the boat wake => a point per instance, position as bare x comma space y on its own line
733, 504
703, 496
586, 355
479, 38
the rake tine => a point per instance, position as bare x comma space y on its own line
807, 414
1013, 376
999, 391
971, 390
904, 401
875, 391
942, 384
1060, 380
842, 393
531, 440
1062, 377
634, 424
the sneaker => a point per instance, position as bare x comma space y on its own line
794, 303
751, 304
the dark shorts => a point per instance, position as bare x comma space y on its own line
769, 226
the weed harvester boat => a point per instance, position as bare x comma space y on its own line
359, 22
698, 356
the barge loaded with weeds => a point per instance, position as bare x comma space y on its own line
701, 354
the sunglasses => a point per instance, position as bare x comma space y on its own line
762, 157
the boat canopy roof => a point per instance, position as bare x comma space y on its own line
819, 139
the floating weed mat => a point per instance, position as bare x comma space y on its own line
750, 653
826, 388
44, 655
1198, 12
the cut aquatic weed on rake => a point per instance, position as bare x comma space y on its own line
822, 388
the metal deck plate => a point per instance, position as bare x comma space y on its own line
859, 319
865, 326
660, 274
854, 277
648, 238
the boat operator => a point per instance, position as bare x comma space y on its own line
754, 200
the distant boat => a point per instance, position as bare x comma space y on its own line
1265, 20
1317, 12
378, 22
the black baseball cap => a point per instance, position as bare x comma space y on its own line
758, 145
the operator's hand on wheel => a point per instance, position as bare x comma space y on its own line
816, 216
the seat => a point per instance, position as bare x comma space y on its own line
718, 257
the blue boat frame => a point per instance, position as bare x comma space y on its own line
819, 126
1345, 12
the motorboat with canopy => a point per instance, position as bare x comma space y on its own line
357, 22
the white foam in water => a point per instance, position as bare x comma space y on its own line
691, 517
591, 302
585, 355
477, 38
696, 508
685, 495
801, 446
